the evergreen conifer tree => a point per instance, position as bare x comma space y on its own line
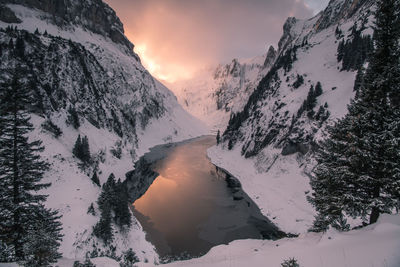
21, 172
20, 47
122, 217
73, 117
218, 137
318, 89
81, 149
77, 150
358, 172
95, 179
43, 238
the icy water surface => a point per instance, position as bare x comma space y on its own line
189, 208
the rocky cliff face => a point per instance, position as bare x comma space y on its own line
339, 10
86, 80
217, 92
93, 15
285, 113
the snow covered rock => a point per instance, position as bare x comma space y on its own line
214, 93
308, 87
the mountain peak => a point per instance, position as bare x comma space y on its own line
93, 15
271, 56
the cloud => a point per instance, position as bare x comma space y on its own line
180, 36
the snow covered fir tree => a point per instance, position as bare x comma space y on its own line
357, 173
209, 142
29, 232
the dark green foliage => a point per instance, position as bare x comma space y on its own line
218, 137
103, 228
91, 210
37, 31
292, 262
20, 47
73, 117
117, 150
354, 52
81, 149
287, 59
322, 114
21, 172
129, 258
113, 204
318, 89
87, 263
338, 33
95, 179
299, 81
311, 101
49, 126
358, 81
43, 238
230, 144
358, 171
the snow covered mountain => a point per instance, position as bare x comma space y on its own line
214, 93
309, 86
86, 80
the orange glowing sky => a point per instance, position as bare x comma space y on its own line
175, 38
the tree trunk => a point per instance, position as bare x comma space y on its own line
374, 215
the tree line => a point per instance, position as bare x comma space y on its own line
358, 170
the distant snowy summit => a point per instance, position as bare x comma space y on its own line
214, 93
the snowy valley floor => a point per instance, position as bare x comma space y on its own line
281, 195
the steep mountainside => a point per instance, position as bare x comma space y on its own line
86, 80
307, 88
213, 94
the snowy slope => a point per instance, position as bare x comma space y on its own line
269, 145
376, 245
213, 93
117, 101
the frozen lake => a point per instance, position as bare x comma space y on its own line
189, 208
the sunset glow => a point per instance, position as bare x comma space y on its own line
175, 38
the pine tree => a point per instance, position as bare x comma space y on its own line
43, 238
85, 149
318, 89
91, 210
73, 117
292, 262
20, 47
311, 101
81, 149
123, 216
77, 150
358, 81
218, 137
358, 172
21, 170
103, 228
95, 179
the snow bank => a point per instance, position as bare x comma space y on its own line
376, 245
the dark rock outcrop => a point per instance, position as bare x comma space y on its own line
7, 15
270, 58
93, 15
